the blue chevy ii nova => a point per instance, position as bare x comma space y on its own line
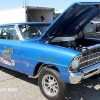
57, 53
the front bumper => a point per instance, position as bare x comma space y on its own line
84, 73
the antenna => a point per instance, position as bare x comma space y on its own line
23, 2
26, 2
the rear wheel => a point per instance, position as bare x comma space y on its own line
51, 84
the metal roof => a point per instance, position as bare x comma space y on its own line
35, 23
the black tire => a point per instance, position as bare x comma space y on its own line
62, 87
95, 76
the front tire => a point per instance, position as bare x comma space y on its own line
51, 84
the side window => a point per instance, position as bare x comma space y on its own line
8, 32
89, 27
98, 28
30, 31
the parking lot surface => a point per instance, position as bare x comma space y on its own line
17, 86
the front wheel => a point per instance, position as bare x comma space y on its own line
51, 84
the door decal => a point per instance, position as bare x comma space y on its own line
12, 63
6, 54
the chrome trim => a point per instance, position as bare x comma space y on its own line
90, 56
36, 76
87, 76
18, 32
75, 77
91, 68
84, 73
89, 59
57, 39
79, 56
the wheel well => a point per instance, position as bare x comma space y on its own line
41, 65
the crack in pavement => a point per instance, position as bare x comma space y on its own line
12, 78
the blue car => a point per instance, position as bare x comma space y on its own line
57, 54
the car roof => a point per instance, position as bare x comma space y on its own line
21, 23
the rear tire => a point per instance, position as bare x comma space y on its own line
51, 84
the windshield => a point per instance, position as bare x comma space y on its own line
32, 31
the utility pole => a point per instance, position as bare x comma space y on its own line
25, 2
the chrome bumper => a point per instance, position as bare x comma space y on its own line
84, 73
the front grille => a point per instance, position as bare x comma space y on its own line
90, 56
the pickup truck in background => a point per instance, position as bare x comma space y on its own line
92, 29
58, 54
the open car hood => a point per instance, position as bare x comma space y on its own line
73, 19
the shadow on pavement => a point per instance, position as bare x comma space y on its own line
89, 89
20, 76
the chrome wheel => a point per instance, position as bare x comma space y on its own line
50, 85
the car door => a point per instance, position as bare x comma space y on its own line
10, 48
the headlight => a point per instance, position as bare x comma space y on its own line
75, 64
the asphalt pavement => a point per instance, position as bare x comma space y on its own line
17, 86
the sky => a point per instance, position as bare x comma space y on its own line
57, 4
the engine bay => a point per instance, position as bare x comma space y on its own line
75, 43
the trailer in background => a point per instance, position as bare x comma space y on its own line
26, 14
58, 12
